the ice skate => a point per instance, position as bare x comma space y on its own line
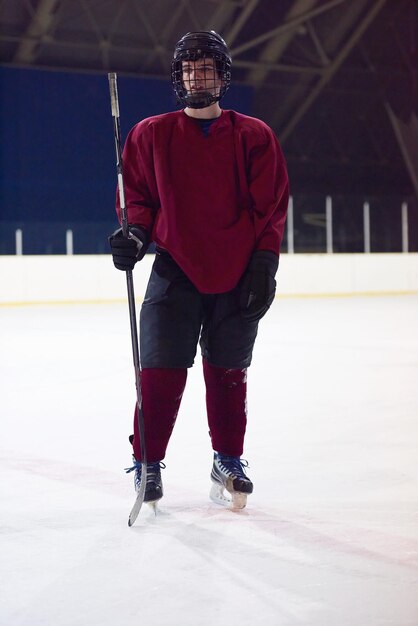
154, 486
228, 474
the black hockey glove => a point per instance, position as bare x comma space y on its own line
258, 286
126, 251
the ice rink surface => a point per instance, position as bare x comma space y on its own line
330, 535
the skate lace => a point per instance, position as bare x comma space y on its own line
233, 465
153, 469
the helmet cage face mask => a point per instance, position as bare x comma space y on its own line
195, 47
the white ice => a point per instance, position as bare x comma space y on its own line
330, 535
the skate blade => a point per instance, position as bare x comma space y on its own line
236, 500
153, 505
239, 500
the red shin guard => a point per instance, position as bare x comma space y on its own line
226, 403
162, 390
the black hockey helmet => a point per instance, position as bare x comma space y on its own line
194, 46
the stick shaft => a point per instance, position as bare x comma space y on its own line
114, 101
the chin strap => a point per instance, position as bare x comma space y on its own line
200, 100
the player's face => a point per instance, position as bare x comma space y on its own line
201, 75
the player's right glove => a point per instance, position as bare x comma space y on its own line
126, 251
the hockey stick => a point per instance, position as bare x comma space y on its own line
114, 101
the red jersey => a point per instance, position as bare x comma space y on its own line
210, 201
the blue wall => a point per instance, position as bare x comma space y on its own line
58, 157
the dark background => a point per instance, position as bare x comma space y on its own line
58, 163
337, 81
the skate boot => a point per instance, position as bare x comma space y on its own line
228, 473
154, 485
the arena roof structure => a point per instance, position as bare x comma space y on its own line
336, 79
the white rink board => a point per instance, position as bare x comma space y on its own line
92, 278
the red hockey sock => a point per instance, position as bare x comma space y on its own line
226, 403
162, 390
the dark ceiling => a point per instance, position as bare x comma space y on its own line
336, 79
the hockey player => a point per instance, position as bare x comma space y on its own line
210, 188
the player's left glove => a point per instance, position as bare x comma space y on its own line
258, 285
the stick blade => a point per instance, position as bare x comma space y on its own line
140, 496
